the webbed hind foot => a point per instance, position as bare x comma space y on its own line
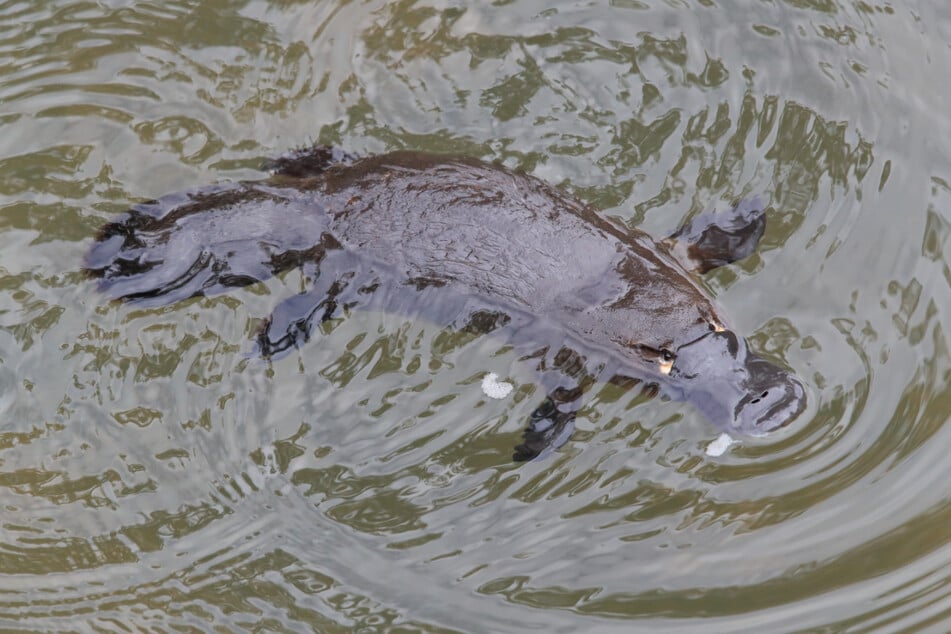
292, 322
340, 286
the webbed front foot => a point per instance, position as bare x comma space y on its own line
307, 162
549, 427
713, 239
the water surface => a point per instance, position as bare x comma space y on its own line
153, 475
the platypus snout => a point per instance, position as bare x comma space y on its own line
740, 392
773, 399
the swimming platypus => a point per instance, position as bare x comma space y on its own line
472, 245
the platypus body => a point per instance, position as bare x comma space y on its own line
470, 245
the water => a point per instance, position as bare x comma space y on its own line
152, 475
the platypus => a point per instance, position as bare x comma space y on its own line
467, 244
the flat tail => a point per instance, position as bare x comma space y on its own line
204, 242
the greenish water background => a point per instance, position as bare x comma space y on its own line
152, 476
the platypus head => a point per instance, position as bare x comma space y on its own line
740, 392
669, 331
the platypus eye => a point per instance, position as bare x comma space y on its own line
665, 361
662, 356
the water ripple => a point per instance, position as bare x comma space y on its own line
154, 476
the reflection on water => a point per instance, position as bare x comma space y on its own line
154, 475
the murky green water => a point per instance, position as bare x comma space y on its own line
152, 475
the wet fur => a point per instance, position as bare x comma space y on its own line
459, 241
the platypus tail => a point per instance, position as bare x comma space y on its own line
213, 239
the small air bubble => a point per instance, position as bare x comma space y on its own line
720, 445
493, 388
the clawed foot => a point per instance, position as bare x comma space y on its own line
548, 429
285, 330
714, 239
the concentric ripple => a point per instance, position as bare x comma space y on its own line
156, 476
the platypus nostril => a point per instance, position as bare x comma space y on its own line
775, 406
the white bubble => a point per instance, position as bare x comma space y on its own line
493, 388
720, 445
